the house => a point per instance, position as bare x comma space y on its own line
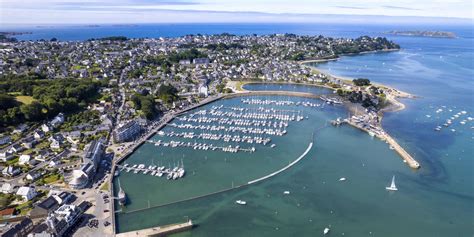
42, 155
56, 141
7, 213
7, 188
54, 163
5, 140
10, 171
33, 176
16, 148
24, 159
39, 134
58, 120
6, 156
28, 142
27, 193
73, 137
46, 128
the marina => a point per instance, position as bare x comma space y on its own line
226, 127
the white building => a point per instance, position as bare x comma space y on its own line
27, 193
24, 159
127, 131
203, 90
7, 188
6, 156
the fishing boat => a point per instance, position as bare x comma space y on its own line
240, 202
392, 187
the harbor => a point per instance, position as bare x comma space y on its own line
235, 125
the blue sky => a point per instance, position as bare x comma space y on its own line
156, 11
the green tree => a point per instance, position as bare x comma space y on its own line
33, 111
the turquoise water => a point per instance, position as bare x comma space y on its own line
437, 200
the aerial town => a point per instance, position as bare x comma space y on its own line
69, 109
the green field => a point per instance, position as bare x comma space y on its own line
25, 99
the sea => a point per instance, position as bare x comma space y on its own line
436, 200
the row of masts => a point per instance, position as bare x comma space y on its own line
233, 129
279, 102
170, 172
217, 137
203, 146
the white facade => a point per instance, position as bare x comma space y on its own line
24, 159
27, 193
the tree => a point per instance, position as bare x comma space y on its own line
7, 101
361, 82
33, 111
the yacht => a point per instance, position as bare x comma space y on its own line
326, 231
342, 179
392, 187
286, 192
240, 202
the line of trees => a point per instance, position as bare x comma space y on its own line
51, 97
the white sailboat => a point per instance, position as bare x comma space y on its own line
392, 187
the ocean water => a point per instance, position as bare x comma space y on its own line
436, 200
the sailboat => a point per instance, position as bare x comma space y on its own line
392, 187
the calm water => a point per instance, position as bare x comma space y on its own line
295, 88
437, 200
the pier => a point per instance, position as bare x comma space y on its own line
160, 230
407, 158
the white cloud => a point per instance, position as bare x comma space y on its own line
133, 11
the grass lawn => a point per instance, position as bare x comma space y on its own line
51, 178
13, 161
25, 99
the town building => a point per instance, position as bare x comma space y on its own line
127, 131
27, 193
62, 219
90, 163
21, 229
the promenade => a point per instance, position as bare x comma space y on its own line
160, 230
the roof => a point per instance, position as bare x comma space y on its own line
23, 191
7, 212
49, 203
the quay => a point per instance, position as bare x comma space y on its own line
160, 230
407, 158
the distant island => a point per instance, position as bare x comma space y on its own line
423, 33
